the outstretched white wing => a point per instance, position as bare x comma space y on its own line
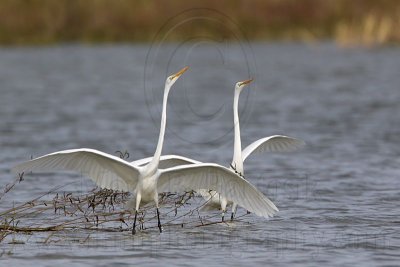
167, 161
220, 179
107, 171
274, 143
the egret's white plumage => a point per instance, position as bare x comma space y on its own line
268, 144
275, 143
220, 179
106, 170
146, 181
109, 171
167, 161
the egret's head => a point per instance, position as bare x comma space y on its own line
174, 77
240, 85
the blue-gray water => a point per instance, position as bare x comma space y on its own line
338, 197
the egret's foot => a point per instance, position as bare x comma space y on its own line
232, 215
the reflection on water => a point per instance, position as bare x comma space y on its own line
338, 198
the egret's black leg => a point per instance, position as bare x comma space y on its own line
134, 224
223, 216
232, 215
159, 223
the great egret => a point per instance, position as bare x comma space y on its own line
274, 143
145, 182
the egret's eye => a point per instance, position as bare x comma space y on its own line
170, 78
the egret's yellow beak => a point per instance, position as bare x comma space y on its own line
179, 73
245, 82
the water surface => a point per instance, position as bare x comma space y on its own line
338, 197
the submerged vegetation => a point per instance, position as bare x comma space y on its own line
357, 22
99, 210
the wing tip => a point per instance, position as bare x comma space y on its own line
301, 142
272, 213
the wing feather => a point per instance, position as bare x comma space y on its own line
220, 179
167, 161
274, 143
107, 171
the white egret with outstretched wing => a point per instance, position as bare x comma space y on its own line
145, 182
109, 171
275, 143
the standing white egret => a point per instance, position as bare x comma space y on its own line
274, 143
111, 172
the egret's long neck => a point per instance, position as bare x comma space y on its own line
237, 161
153, 165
